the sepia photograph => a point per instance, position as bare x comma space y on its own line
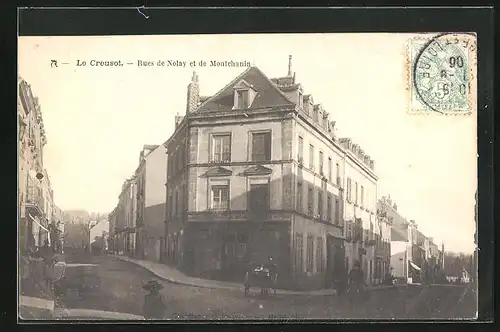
326, 176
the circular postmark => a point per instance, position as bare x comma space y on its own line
441, 73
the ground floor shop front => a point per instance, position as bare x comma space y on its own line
307, 254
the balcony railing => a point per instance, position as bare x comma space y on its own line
34, 198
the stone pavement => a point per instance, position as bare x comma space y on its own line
173, 275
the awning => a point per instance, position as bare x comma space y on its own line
414, 266
34, 219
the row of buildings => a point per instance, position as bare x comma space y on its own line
40, 219
256, 170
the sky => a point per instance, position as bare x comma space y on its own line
98, 118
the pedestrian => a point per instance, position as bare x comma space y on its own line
154, 302
48, 263
356, 281
341, 280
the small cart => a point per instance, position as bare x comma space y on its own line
261, 276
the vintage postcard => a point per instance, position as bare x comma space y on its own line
248, 176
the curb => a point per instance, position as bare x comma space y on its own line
173, 281
242, 288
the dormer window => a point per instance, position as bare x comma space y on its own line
242, 99
300, 103
244, 95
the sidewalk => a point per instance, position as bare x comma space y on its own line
37, 298
173, 275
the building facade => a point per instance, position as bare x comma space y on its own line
151, 202
256, 171
112, 239
35, 194
360, 213
126, 212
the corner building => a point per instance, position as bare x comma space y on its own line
256, 171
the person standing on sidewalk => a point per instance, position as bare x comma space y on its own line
48, 263
154, 302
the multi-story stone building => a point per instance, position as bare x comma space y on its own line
151, 202
382, 248
401, 238
112, 239
33, 218
256, 170
360, 212
126, 212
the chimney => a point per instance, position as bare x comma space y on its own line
290, 66
193, 94
178, 119
395, 207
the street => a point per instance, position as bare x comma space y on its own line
116, 286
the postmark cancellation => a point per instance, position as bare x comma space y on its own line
442, 73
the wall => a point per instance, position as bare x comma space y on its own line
155, 192
240, 152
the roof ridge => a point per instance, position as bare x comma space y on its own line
274, 85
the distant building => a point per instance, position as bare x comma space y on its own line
76, 236
151, 177
126, 216
383, 239
112, 239
403, 236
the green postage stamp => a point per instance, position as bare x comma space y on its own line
442, 72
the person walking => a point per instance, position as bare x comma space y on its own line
154, 302
356, 281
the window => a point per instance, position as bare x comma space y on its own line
337, 171
337, 211
362, 196
176, 202
221, 148
310, 254
356, 193
329, 169
261, 146
300, 99
310, 201
299, 196
242, 99
321, 162
320, 204
300, 152
349, 233
311, 156
349, 189
181, 200
315, 115
319, 255
299, 251
329, 208
259, 199
220, 197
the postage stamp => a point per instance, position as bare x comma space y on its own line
442, 72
